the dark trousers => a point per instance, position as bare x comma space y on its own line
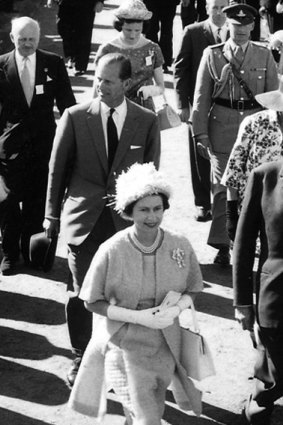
75, 26
195, 11
268, 375
162, 19
79, 320
21, 217
200, 175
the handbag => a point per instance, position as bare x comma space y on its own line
196, 357
167, 116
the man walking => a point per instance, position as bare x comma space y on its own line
229, 77
196, 38
94, 143
33, 80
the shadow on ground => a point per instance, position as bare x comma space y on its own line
33, 385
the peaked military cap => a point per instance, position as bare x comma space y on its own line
238, 12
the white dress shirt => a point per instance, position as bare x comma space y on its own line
119, 117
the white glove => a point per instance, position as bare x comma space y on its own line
149, 91
150, 317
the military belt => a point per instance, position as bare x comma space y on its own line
240, 105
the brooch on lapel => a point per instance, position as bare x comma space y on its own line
178, 255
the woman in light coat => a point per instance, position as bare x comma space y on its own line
136, 343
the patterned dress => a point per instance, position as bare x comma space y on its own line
259, 140
145, 57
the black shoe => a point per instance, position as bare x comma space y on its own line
222, 258
202, 214
73, 371
7, 266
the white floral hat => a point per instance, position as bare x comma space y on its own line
133, 9
138, 181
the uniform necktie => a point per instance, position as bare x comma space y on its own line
112, 137
25, 80
218, 38
239, 55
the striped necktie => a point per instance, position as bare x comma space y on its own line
218, 38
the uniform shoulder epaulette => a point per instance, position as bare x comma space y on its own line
260, 44
216, 46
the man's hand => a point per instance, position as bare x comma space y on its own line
203, 147
51, 227
184, 114
246, 317
98, 7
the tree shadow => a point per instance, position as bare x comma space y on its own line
32, 346
214, 274
13, 418
29, 384
214, 415
215, 305
31, 309
59, 272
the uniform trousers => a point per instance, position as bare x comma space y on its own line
223, 129
162, 19
200, 174
75, 25
268, 375
79, 320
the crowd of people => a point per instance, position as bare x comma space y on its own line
95, 178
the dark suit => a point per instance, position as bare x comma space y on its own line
75, 20
196, 38
163, 14
51, 83
262, 214
79, 163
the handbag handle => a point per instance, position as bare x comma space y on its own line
194, 316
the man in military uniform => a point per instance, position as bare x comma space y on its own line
195, 39
230, 75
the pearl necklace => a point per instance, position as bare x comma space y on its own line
147, 249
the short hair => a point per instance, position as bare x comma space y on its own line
128, 211
122, 60
119, 22
19, 23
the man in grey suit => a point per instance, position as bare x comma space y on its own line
82, 170
230, 75
196, 38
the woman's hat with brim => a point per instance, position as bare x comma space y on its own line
133, 10
42, 251
240, 13
272, 99
138, 181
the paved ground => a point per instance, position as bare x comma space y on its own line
34, 349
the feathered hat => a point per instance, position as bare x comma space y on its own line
138, 181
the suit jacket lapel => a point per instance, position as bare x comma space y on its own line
208, 32
11, 72
94, 123
127, 134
